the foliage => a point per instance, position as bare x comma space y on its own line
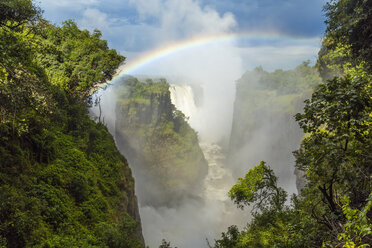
15, 13
334, 208
348, 22
63, 183
295, 81
358, 229
348, 37
259, 186
165, 244
275, 225
24, 89
74, 59
338, 118
264, 105
229, 239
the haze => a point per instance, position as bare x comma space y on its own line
137, 27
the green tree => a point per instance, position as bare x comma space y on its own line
348, 38
333, 209
357, 231
348, 22
15, 13
258, 187
63, 183
273, 224
76, 60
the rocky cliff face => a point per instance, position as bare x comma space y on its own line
264, 127
161, 147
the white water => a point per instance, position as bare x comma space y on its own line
193, 221
182, 97
218, 180
190, 224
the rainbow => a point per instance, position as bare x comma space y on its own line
172, 48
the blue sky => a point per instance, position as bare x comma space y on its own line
296, 17
136, 26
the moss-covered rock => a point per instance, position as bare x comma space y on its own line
163, 149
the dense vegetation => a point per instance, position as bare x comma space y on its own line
334, 208
157, 139
63, 183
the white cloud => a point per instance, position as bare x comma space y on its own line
176, 19
94, 19
214, 66
68, 4
147, 8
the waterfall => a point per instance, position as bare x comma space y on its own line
219, 211
218, 180
182, 97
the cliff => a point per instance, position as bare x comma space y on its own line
160, 145
63, 183
264, 127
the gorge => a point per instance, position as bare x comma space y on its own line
174, 206
169, 140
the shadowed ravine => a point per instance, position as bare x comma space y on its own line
194, 221
190, 224
198, 214
185, 123
201, 210
216, 212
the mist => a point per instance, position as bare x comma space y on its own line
211, 70
196, 218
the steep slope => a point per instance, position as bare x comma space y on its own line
63, 183
67, 189
161, 146
263, 126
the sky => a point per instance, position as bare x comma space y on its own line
203, 43
135, 27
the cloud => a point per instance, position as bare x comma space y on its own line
177, 20
146, 8
94, 19
183, 14
137, 26
69, 3
142, 24
300, 17
61, 10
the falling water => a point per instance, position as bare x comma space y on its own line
195, 219
219, 180
182, 97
